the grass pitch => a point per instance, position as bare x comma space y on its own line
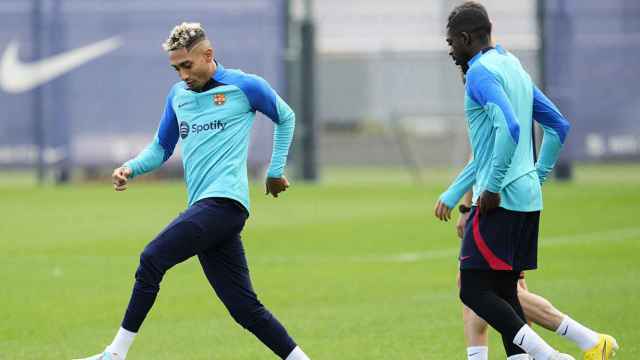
356, 268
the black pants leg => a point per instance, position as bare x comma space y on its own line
493, 296
176, 243
210, 229
227, 270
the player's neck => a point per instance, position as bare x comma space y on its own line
479, 47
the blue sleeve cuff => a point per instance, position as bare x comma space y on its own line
556, 128
151, 158
549, 153
282, 138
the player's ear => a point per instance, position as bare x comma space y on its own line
208, 54
466, 38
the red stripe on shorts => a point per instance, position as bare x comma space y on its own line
494, 262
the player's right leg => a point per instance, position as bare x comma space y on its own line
226, 268
228, 272
178, 242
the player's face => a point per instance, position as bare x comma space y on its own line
193, 66
458, 48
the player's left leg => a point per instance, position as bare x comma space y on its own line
542, 312
479, 291
507, 291
227, 270
476, 335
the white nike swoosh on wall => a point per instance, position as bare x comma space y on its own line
17, 77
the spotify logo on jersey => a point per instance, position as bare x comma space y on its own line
213, 125
196, 129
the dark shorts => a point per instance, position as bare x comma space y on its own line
501, 240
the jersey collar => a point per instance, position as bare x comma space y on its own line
217, 76
477, 56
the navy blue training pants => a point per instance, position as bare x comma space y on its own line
210, 229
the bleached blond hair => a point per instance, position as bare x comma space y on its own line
185, 35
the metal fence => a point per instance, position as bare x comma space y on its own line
385, 91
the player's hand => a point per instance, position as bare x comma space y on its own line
275, 186
462, 222
488, 202
442, 211
120, 177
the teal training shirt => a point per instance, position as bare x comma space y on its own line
214, 126
500, 103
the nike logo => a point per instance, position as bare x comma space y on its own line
474, 354
183, 104
18, 77
565, 331
604, 350
522, 340
463, 258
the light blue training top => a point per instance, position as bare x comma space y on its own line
214, 126
500, 103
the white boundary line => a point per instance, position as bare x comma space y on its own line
618, 235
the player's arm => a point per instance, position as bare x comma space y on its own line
156, 153
555, 127
462, 184
486, 90
263, 98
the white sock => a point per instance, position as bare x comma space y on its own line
297, 354
519, 357
584, 337
122, 342
533, 344
478, 353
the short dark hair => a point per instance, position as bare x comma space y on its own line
470, 17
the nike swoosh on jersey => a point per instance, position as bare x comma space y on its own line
17, 77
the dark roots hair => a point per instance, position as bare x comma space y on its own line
470, 17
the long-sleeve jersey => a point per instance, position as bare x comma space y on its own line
500, 103
214, 126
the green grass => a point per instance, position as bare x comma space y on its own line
356, 268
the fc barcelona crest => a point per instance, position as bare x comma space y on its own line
219, 99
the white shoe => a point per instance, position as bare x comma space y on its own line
104, 356
560, 356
